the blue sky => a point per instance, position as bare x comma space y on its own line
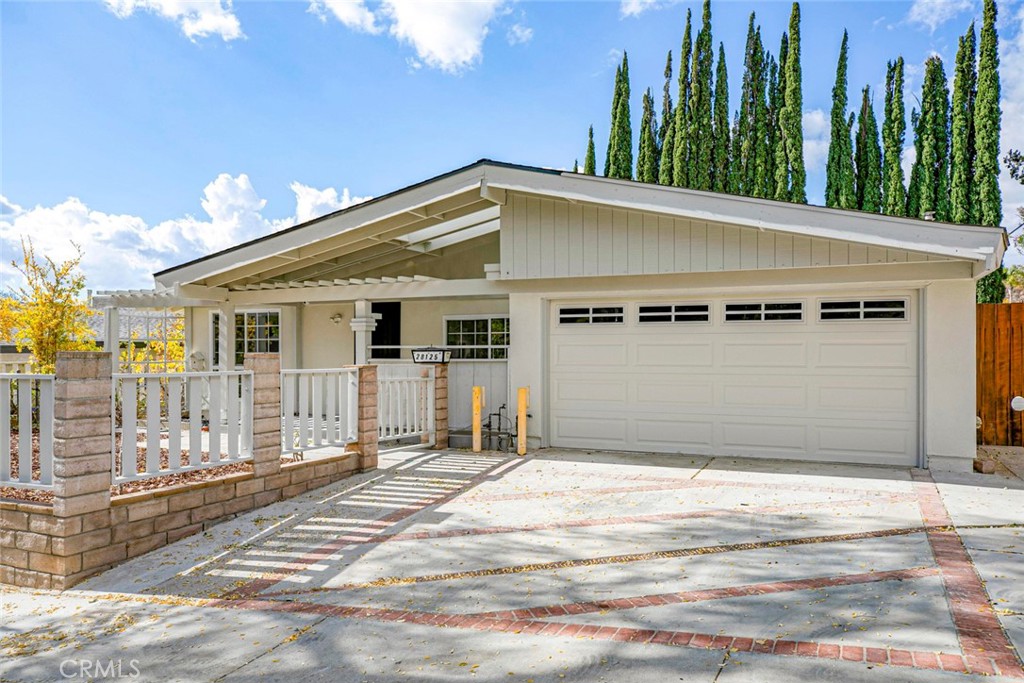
153, 131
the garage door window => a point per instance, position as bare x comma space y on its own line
674, 313
590, 315
873, 309
764, 312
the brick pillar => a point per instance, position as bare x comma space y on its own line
367, 417
440, 406
81, 469
266, 412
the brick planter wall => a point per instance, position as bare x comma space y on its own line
85, 531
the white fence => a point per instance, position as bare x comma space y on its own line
319, 409
405, 400
26, 430
176, 422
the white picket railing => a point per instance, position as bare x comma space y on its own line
201, 419
319, 409
405, 400
26, 425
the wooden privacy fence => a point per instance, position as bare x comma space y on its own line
1000, 356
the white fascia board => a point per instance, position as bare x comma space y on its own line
328, 226
942, 239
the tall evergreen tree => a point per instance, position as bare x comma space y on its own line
868, 157
766, 185
781, 180
933, 133
681, 129
721, 122
622, 160
840, 190
665, 167
791, 116
965, 77
666, 117
752, 153
735, 168
616, 96
647, 155
702, 147
988, 200
575, 165
894, 124
913, 208
987, 123
590, 161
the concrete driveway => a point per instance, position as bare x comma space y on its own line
565, 566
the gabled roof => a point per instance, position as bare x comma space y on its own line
462, 204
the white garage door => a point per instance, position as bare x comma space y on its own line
829, 378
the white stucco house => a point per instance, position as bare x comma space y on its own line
641, 317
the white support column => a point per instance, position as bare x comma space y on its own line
112, 333
226, 333
363, 322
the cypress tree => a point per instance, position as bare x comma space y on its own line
933, 133
894, 125
646, 158
590, 161
781, 178
721, 141
616, 96
665, 168
701, 134
665, 152
961, 204
987, 123
868, 157
913, 208
622, 161
988, 200
791, 116
752, 155
575, 165
840, 191
735, 153
766, 184
681, 144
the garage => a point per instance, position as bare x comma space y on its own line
827, 377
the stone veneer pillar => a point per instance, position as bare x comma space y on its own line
367, 429
440, 406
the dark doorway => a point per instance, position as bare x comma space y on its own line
389, 329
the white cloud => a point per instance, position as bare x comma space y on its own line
519, 34
352, 13
934, 13
634, 8
122, 251
446, 34
817, 129
197, 18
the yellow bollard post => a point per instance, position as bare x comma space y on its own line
478, 404
524, 403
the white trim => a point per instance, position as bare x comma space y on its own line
242, 311
860, 300
763, 302
622, 306
673, 303
477, 316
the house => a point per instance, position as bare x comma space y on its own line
641, 317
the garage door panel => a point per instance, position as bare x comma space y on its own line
814, 390
591, 353
668, 433
867, 354
756, 353
673, 355
684, 392
759, 393
756, 436
575, 390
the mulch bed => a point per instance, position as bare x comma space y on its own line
172, 479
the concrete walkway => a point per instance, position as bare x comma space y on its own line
564, 566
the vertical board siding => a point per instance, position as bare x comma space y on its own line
544, 238
1000, 359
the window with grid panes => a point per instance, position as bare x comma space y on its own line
485, 338
255, 332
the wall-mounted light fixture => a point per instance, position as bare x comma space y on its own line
336, 318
